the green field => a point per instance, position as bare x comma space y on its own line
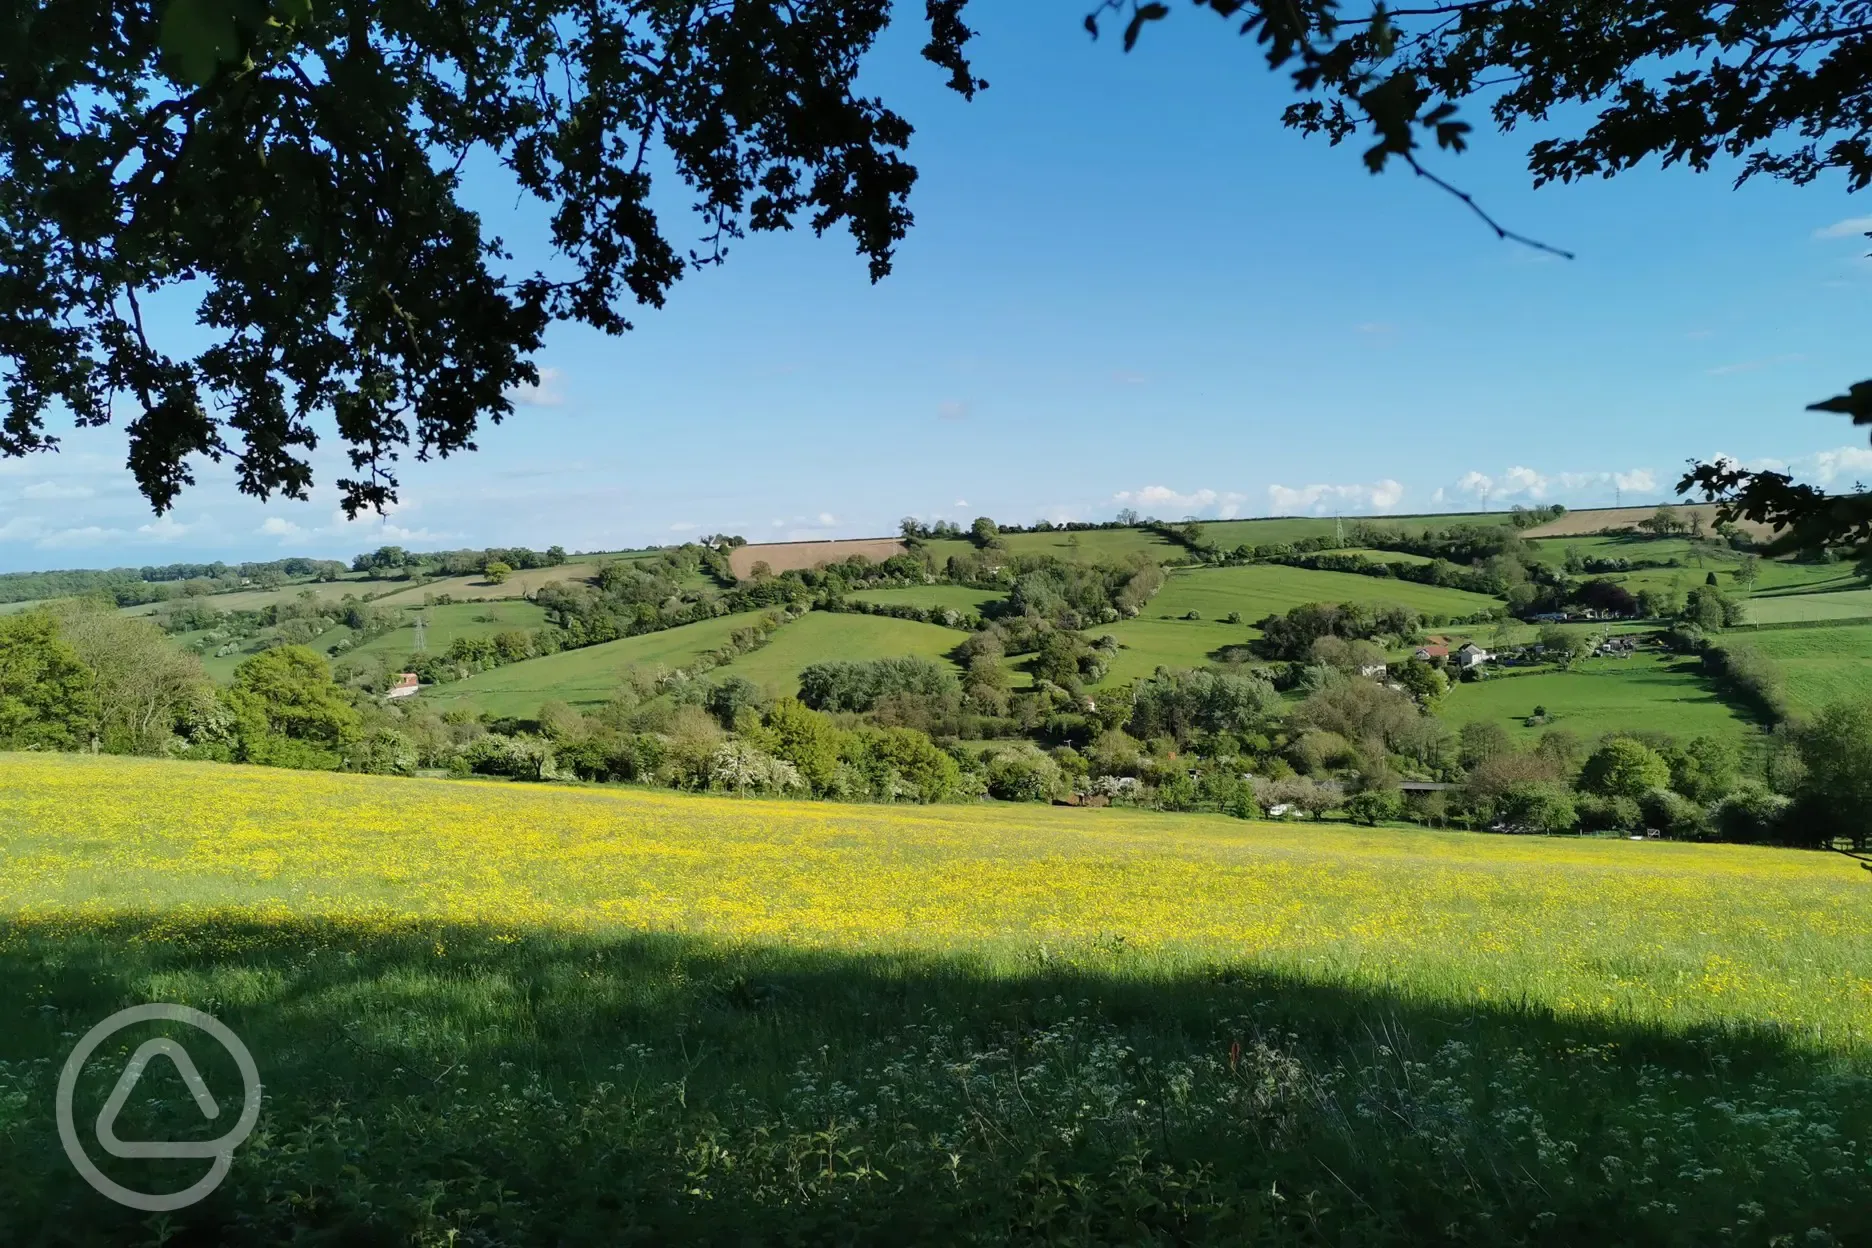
1229, 534
958, 597
1644, 693
1823, 665
442, 625
1850, 604
1258, 590
1093, 545
512, 1015
589, 676
1375, 555
1149, 644
822, 637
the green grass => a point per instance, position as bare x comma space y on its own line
1823, 665
442, 625
1258, 590
823, 636
1150, 643
589, 676
1093, 546
1380, 556
957, 597
1644, 693
1229, 534
1848, 604
515, 1016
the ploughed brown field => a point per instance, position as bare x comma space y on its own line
1577, 523
786, 556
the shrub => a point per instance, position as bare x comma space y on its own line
1623, 767
1374, 806
1539, 807
1750, 816
1023, 774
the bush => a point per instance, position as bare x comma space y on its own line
1623, 767
1540, 807
1608, 814
1674, 815
1750, 816
1023, 774
1373, 807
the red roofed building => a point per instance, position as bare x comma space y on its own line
406, 684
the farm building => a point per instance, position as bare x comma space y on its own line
1433, 653
1472, 655
406, 684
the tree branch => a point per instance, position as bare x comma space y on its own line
1501, 231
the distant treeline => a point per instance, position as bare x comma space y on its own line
131, 586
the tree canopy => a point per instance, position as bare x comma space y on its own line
297, 166
1775, 88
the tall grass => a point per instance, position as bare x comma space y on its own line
500, 1015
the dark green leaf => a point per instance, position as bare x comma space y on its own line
197, 35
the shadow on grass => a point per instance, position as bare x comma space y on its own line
434, 1084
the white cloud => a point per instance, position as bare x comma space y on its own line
686, 526
165, 529
952, 409
1638, 480
1845, 229
52, 489
546, 394
1153, 499
1521, 483
85, 535
961, 502
1376, 496
21, 529
827, 519
1827, 467
275, 526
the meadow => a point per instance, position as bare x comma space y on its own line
1822, 665
956, 597
442, 625
826, 637
1644, 693
1849, 604
1259, 590
1092, 546
588, 676
496, 1014
1148, 644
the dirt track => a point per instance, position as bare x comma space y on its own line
786, 556
1576, 523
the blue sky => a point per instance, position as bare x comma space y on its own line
1126, 286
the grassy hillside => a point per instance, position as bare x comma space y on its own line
822, 637
443, 625
1152, 643
589, 676
1644, 693
1822, 664
1229, 534
1258, 590
959, 597
1851, 604
497, 1014
1093, 546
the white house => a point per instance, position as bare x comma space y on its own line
406, 684
1472, 655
